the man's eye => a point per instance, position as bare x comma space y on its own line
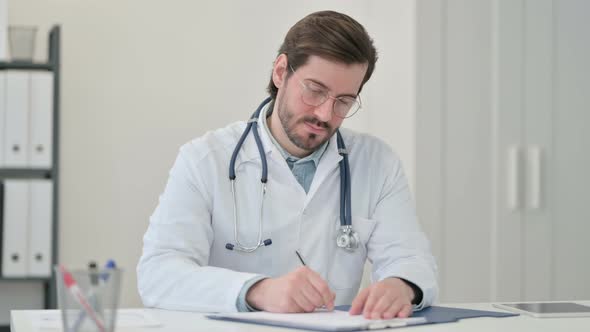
314, 87
317, 92
346, 101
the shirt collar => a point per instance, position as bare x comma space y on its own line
315, 156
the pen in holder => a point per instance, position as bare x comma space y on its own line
88, 299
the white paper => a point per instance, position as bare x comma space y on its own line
320, 320
125, 318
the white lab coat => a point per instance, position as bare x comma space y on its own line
185, 265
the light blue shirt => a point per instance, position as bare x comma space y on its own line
303, 169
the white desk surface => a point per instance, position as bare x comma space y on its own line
178, 321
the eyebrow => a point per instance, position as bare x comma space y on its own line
325, 87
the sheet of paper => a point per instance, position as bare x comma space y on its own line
125, 318
319, 320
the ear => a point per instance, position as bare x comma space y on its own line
279, 70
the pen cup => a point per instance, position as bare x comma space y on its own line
88, 299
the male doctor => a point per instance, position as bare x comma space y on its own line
193, 257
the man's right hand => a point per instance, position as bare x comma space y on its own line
302, 290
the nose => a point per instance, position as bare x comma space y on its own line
324, 111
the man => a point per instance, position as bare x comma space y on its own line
199, 256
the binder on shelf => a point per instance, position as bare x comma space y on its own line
15, 228
41, 121
16, 119
2, 115
41, 208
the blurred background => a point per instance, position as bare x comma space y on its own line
485, 101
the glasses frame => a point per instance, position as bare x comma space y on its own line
328, 96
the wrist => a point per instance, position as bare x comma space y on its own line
255, 296
416, 292
411, 291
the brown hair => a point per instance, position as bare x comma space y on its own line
330, 35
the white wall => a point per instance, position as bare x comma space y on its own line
140, 78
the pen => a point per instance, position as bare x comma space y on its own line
303, 263
110, 265
73, 287
300, 258
92, 296
104, 276
92, 268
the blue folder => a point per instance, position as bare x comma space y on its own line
432, 315
435, 315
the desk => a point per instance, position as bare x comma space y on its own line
177, 321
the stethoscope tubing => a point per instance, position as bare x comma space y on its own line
345, 185
252, 124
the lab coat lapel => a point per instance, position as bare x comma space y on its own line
277, 166
328, 162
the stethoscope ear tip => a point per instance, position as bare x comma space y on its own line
267, 242
229, 246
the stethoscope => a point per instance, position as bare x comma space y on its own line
347, 238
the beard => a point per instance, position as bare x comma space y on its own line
307, 141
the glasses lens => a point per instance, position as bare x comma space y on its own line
345, 107
313, 97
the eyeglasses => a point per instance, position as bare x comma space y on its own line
313, 94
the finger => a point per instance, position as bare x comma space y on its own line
286, 304
372, 299
393, 310
406, 311
359, 302
322, 288
303, 304
312, 294
382, 305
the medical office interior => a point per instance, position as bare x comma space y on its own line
486, 102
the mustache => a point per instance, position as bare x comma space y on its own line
315, 121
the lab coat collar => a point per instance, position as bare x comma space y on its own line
249, 149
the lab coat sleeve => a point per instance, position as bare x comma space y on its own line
397, 246
172, 272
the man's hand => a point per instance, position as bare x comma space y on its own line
302, 290
385, 299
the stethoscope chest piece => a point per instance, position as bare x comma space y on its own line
347, 238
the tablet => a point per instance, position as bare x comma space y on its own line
547, 309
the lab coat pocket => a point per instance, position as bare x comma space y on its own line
346, 268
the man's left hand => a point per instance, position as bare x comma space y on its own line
385, 299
